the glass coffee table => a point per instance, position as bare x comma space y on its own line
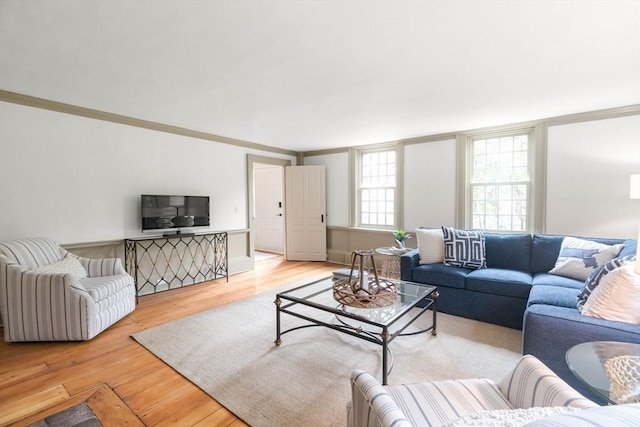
595, 363
311, 302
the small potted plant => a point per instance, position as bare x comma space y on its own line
401, 237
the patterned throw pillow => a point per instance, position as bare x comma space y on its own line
464, 248
596, 275
579, 257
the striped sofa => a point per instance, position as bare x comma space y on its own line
531, 393
49, 294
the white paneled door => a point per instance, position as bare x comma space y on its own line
305, 211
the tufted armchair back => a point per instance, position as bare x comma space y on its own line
33, 252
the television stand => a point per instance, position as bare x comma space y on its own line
160, 264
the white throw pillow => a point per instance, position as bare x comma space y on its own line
578, 257
613, 415
68, 265
617, 296
430, 245
508, 417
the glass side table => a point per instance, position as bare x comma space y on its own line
391, 261
610, 368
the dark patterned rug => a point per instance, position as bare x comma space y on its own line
76, 416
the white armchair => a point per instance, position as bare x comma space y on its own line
530, 392
49, 294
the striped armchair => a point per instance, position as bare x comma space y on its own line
49, 294
530, 392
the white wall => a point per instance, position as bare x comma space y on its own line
430, 184
429, 179
588, 168
588, 171
76, 179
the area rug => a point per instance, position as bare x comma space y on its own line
229, 353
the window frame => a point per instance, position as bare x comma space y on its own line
355, 162
536, 187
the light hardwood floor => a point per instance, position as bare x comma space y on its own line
133, 386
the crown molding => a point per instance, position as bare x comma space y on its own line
589, 116
46, 104
326, 151
60, 107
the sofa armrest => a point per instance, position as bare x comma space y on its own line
100, 267
408, 261
532, 383
40, 284
549, 331
6, 262
370, 404
578, 322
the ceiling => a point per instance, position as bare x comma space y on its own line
310, 75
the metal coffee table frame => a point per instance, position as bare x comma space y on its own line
318, 296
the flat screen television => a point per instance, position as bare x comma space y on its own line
160, 212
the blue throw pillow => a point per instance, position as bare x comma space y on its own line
464, 248
597, 274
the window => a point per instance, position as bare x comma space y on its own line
376, 187
500, 181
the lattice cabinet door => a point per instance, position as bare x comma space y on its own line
164, 263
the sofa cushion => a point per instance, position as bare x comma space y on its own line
430, 245
544, 252
578, 257
553, 295
498, 281
464, 248
617, 296
508, 251
546, 279
101, 288
440, 275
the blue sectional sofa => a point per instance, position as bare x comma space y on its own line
516, 290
